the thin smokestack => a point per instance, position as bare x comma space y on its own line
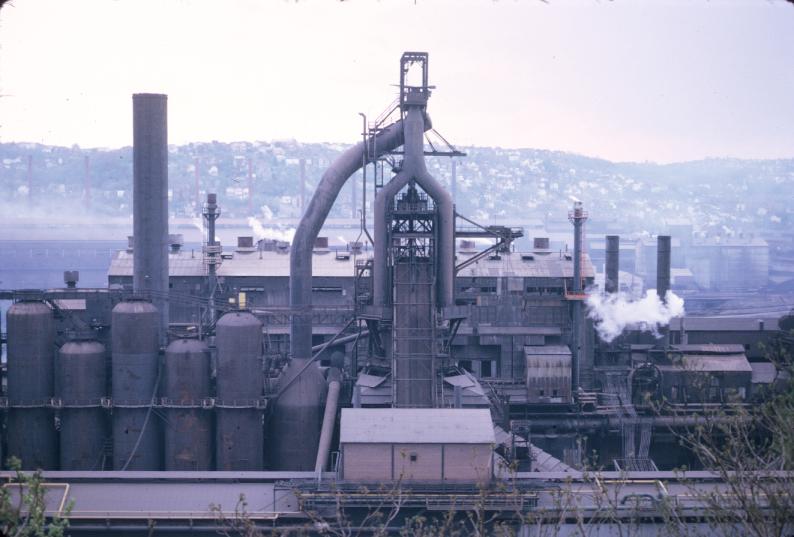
612, 272
150, 201
663, 266
577, 217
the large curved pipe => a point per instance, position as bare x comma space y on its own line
414, 168
300, 280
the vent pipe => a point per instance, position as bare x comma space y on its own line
612, 271
150, 201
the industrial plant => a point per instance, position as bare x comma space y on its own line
456, 364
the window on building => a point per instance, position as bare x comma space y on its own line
485, 368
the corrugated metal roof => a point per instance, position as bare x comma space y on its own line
547, 350
511, 264
416, 426
187, 263
763, 373
709, 348
723, 324
270, 264
723, 362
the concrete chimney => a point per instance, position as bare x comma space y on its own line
663, 266
150, 201
612, 271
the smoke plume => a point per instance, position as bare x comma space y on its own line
612, 314
262, 232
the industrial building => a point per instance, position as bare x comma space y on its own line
438, 355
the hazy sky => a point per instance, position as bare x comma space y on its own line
624, 80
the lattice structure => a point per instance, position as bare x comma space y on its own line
413, 269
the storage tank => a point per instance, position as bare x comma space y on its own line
31, 351
81, 383
239, 428
188, 426
135, 346
296, 418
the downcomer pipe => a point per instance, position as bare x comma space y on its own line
150, 201
300, 280
416, 122
329, 420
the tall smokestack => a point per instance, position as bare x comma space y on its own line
663, 266
303, 185
150, 201
612, 271
87, 182
577, 217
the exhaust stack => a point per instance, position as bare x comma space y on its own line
150, 201
663, 251
612, 271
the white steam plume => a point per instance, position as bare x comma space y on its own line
612, 314
262, 232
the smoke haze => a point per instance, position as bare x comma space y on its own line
612, 314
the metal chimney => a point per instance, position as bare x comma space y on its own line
612, 271
662, 266
150, 201
577, 217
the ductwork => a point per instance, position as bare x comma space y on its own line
413, 167
314, 216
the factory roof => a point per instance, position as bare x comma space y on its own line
416, 426
723, 324
526, 265
710, 362
275, 264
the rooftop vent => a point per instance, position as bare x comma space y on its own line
540, 243
245, 244
70, 278
527, 257
321, 245
267, 245
130, 243
175, 241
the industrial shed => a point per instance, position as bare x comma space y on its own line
416, 444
